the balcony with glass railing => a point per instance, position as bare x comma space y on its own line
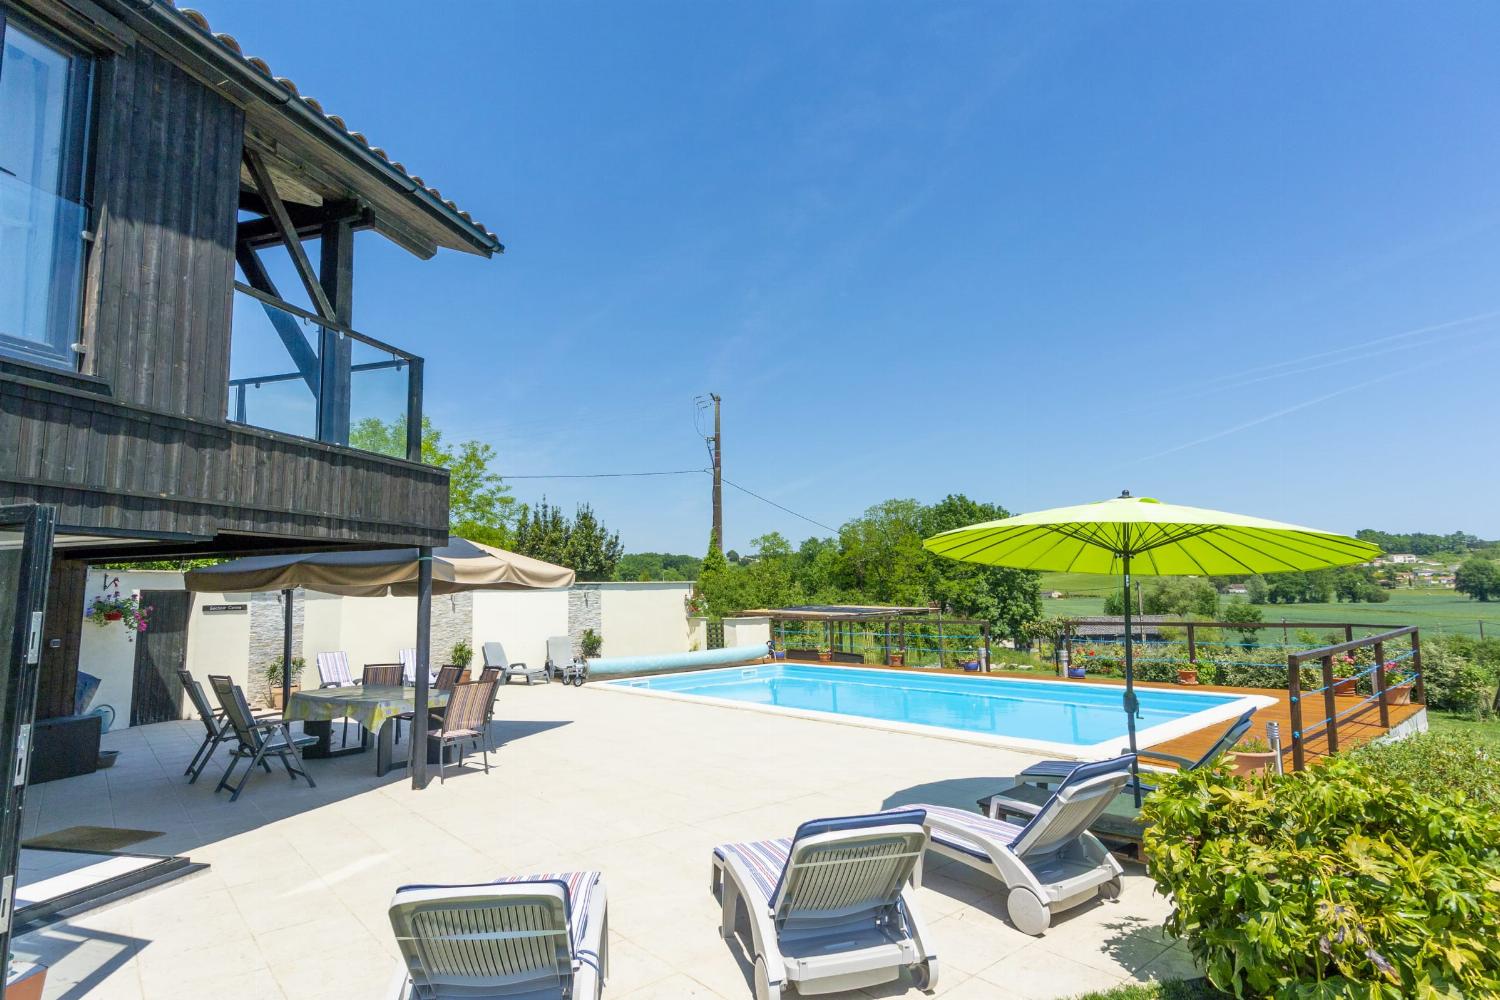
293, 372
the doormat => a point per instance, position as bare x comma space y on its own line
90, 838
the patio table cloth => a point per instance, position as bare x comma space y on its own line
371, 707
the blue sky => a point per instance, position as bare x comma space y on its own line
1229, 255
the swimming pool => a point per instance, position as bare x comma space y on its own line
1052, 716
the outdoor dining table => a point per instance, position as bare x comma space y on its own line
375, 708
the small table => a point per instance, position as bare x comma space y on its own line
1022, 802
375, 708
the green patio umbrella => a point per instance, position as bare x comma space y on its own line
1137, 534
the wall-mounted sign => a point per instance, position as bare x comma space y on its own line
225, 609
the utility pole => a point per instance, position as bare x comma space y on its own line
716, 450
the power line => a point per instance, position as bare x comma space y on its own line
607, 475
778, 506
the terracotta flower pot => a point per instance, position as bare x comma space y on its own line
1187, 677
25, 981
276, 696
113, 616
1251, 762
1398, 695
1344, 686
825, 656
896, 660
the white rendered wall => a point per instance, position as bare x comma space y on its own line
521, 621
744, 631
638, 619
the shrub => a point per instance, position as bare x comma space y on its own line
463, 653
1453, 681
1329, 883
1436, 763
271, 675
590, 642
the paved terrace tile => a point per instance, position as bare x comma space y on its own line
294, 901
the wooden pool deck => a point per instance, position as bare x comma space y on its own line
1357, 728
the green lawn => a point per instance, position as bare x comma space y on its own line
1448, 722
1436, 612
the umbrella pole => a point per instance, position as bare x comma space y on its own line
1131, 704
420, 723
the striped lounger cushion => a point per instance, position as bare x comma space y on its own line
580, 893
962, 819
765, 860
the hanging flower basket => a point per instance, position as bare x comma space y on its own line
112, 606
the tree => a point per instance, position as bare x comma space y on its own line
480, 507
1242, 612
1256, 590
1479, 578
583, 544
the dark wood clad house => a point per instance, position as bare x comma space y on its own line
181, 359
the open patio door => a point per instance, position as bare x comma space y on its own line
25, 559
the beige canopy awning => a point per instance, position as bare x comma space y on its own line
460, 565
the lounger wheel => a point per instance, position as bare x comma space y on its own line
764, 988
924, 975
1110, 889
1027, 912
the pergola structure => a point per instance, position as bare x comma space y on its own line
842, 622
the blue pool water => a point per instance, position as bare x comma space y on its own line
1048, 711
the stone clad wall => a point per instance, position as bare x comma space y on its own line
585, 611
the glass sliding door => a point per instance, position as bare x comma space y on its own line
25, 560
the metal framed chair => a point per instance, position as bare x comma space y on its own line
463, 723
448, 676
257, 740
387, 675
491, 674
216, 728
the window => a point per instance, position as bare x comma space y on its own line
43, 112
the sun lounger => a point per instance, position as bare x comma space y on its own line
494, 656
1051, 864
1050, 772
831, 908
537, 937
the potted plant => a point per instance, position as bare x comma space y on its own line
1343, 685
896, 660
111, 606
1251, 755
463, 654
1187, 675
24, 980
1078, 669
590, 643
273, 680
1398, 686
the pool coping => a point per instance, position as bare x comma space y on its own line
1068, 751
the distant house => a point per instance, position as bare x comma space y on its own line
1236, 588
1052, 594
1402, 558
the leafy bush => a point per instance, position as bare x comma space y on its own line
1329, 883
590, 642
1453, 681
1437, 763
463, 653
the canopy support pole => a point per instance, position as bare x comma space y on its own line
1132, 705
286, 648
420, 724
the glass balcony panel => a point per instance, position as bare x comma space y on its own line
379, 383
274, 368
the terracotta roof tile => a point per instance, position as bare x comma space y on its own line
261, 66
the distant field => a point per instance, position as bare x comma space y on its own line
1437, 611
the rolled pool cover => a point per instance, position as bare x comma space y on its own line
614, 666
